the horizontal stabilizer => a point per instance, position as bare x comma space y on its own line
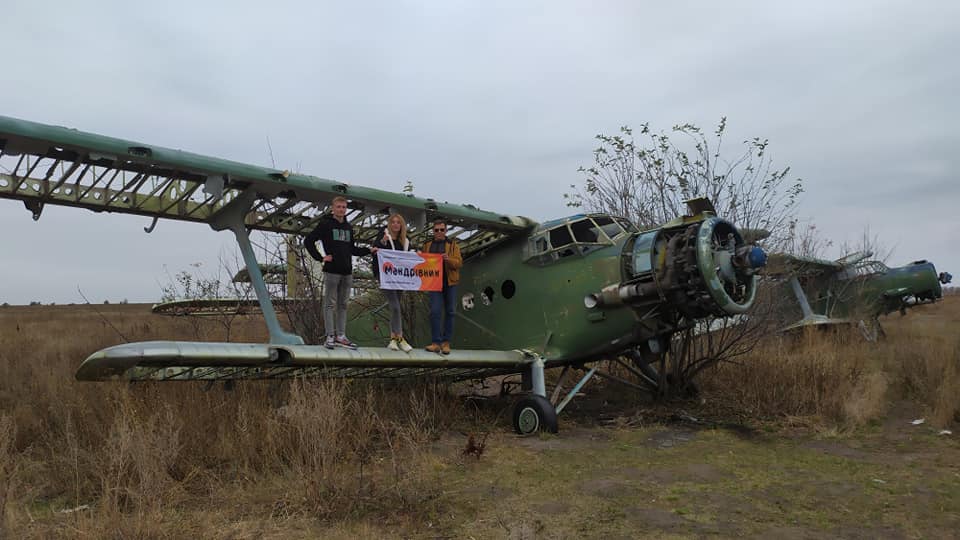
817, 320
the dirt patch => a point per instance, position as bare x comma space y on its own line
834, 448
670, 437
660, 477
793, 533
491, 491
605, 487
654, 518
870, 533
897, 425
706, 473
838, 489
551, 508
576, 438
701, 473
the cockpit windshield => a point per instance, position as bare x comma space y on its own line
868, 268
865, 268
575, 235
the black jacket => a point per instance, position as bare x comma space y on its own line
380, 244
336, 239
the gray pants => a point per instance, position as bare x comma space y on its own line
396, 321
336, 292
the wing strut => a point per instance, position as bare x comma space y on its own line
801, 297
231, 217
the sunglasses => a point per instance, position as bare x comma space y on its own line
440, 229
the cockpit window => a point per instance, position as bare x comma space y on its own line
610, 227
585, 232
560, 237
868, 268
575, 235
627, 225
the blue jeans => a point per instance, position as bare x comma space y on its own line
442, 307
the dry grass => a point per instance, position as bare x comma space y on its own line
125, 460
338, 457
835, 376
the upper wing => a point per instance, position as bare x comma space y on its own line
779, 264
42, 164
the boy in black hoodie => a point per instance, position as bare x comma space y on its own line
337, 249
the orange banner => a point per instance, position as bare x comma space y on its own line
410, 271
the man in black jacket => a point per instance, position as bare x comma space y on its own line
337, 248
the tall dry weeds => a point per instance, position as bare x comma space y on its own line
807, 376
132, 458
139, 457
834, 375
9, 465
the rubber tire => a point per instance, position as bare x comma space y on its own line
534, 413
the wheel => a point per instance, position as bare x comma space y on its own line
534, 413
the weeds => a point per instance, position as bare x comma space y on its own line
131, 461
835, 375
8, 468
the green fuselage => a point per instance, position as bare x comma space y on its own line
526, 305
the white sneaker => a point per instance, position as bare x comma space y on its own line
393, 345
345, 342
404, 346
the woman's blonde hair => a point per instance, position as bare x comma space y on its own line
403, 229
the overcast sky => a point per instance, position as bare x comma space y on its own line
491, 103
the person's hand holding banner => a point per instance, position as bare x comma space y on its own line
410, 271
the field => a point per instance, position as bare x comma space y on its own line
810, 437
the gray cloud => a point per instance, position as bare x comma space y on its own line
494, 104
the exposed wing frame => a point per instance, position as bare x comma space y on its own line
42, 164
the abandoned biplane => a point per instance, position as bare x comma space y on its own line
854, 289
563, 293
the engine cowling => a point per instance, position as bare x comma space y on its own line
696, 268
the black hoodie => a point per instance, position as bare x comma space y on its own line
336, 238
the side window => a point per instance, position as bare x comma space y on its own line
540, 244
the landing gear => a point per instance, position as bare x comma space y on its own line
534, 413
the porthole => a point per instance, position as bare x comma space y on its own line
487, 296
508, 289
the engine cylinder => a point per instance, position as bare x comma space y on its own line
696, 268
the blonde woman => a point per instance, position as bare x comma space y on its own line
394, 237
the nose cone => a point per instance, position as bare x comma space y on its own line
757, 257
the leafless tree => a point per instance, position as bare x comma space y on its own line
648, 180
